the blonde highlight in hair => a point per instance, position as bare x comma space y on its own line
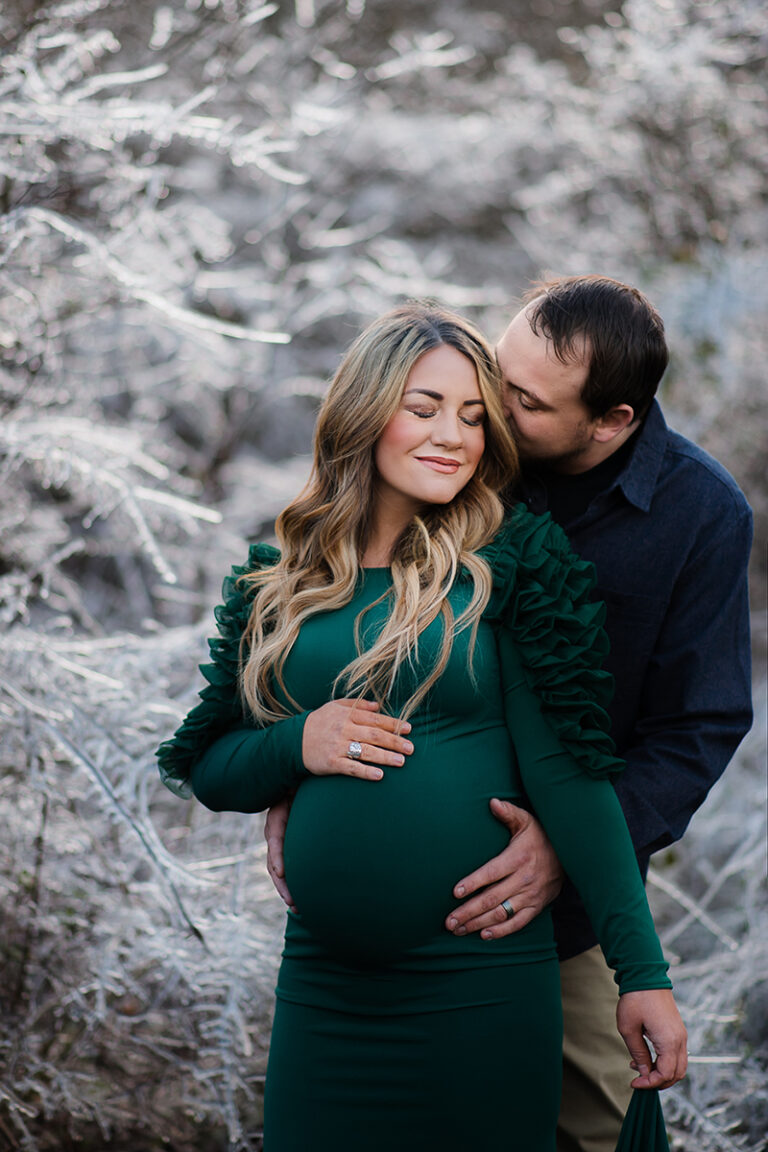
324, 531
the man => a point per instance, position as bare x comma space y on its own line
669, 533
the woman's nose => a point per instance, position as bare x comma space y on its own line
446, 430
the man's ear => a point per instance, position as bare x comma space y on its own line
615, 421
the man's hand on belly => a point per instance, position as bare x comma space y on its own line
526, 876
274, 834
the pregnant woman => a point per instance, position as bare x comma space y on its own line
407, 655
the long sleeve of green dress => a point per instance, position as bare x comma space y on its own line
582, 818
551, 647
215, 754
250, 769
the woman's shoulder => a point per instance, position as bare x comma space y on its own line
543, 598
237, 591
260, 557
532, 552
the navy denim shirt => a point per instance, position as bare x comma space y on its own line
670, 539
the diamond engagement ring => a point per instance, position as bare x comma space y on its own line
355, 750
507, 906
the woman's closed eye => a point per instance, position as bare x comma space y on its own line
471, 420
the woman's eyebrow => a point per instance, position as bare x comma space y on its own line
438, 395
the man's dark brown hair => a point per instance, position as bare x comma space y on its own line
613, 326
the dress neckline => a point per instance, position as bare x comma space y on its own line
378, 575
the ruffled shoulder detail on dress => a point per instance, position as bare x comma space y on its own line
543, 593
219, 708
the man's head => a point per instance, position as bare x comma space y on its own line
580, 364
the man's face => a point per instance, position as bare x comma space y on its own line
542, 400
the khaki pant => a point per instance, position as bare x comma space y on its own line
596, 1072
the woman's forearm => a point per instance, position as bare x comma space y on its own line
583, 819
248, 769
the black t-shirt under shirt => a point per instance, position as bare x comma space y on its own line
568, 495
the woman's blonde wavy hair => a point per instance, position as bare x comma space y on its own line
324, 531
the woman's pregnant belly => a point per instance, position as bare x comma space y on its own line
371, 865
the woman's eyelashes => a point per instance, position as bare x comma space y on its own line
471, 420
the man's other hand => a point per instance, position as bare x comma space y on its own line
274, 833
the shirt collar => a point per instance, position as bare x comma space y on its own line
639, 478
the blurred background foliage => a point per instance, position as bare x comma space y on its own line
201, 202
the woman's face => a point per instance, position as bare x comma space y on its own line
433, 444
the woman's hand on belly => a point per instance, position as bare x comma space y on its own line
332, 732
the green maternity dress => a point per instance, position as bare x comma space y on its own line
390, 1033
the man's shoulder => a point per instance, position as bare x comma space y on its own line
669, 470
691, 470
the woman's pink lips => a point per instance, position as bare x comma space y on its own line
440, 463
